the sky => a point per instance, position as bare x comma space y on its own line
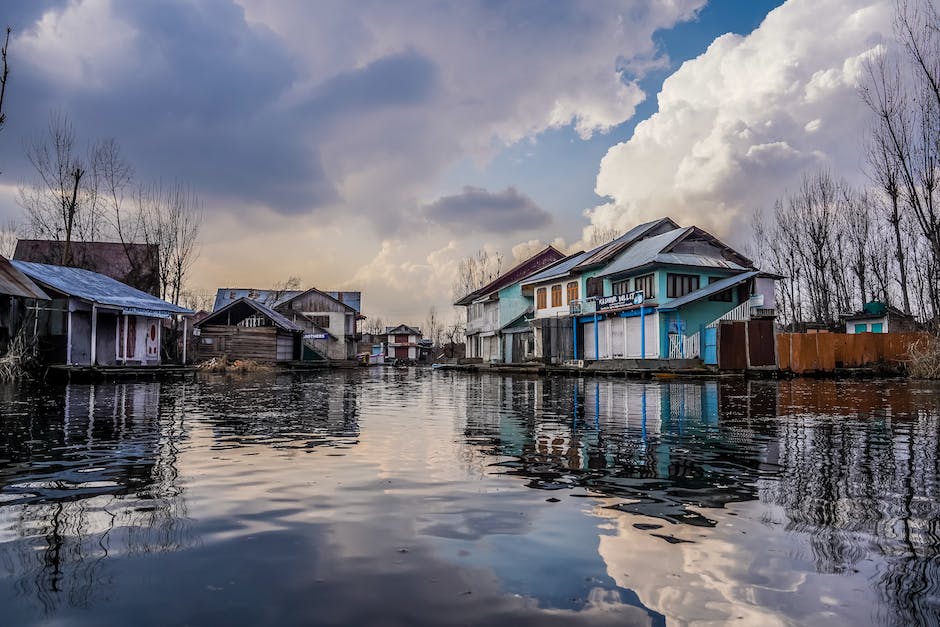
371, 145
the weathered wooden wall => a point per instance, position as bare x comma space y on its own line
235, 342
824, 352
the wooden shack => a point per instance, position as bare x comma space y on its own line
247, 329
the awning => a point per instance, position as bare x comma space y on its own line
709, 290
148, 313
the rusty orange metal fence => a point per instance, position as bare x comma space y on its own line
824, 352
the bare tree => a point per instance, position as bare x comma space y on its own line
9, 234
375, 326
55, 202
4, 75
198, 299
601, 235
170, 219
475, 271
433, 328
281, 288
903, 92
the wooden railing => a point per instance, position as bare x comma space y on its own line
685, 347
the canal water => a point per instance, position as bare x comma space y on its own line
419, 497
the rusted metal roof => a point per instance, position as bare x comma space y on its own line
15, 283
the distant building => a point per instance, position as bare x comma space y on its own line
877, 317
403, 342
329, 319
500, 304
92, 319
137, 265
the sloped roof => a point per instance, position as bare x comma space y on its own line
560, 269
243, 308
275, 298
97, 288
521, 270
606, 252
137, 265
709, 290
15, 283
644, 251
403, 329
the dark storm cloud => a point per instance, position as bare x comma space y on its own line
477, 209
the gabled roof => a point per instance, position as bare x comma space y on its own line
243, 308
709, 290
521, 270
15, 283
606, 252
276, 298
137, 265
657, 250
560, 269
99, 289
403, 329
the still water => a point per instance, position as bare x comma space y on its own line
410, 497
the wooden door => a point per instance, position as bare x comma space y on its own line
401, 352
131, 334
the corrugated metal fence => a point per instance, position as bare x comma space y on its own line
824, 352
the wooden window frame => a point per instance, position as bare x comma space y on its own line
571, 290
541, 298
556, 295
644, 281
678, 285
620, 287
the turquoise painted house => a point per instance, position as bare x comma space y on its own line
657, 292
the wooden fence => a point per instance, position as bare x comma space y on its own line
825, 352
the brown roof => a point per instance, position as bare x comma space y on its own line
137, 265
15, 283
536, 262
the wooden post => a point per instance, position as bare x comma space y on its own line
94, 334
185, 334
68, 336
124, 342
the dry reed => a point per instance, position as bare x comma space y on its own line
222, 364
924, 358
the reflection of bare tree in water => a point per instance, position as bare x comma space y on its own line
860, 475
96, 475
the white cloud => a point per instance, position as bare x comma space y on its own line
737, 125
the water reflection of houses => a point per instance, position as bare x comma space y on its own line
88, 473
625, 439
286, 411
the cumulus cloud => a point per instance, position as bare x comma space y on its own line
737, 125
316, 112
479, 210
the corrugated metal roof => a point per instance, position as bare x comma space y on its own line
96, 288
644, 251
278, 319
702, 261
606, 252
709, 290
516, 274
274, 298
15, 283
562, 268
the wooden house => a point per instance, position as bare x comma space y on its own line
94, 320
16, 290
403, 342
329, 319
247, 329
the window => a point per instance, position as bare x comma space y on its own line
572, 291
321, 321
877, 327
595, 287
540, 298
646, 284
556, 296
621, 287
861, 328
723, 296
680, 284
